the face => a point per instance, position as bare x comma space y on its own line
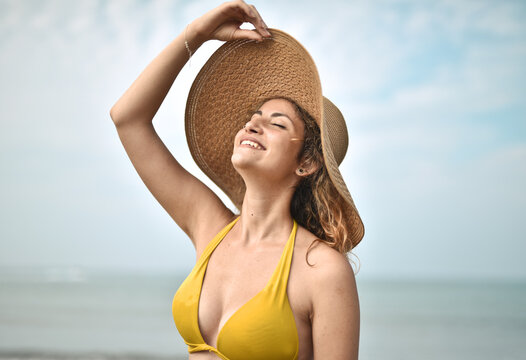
270, 142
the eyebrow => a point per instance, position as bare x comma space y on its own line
274, 115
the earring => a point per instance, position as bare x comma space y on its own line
301, 170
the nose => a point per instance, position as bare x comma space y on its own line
252, 127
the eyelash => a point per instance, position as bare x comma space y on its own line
278, 125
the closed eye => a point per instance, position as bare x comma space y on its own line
279, 125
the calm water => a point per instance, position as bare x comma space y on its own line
93, 316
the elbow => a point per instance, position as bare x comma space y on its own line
122, 116
114, 115
117, 116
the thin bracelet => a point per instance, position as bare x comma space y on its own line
187, 46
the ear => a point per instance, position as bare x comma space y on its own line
307, 168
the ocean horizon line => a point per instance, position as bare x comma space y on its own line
66, 273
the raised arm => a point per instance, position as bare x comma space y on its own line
193, 206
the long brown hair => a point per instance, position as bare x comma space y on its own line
316, 204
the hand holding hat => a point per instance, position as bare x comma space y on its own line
223, 22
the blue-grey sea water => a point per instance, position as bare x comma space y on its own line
74, 314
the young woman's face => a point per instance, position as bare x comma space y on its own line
270, 141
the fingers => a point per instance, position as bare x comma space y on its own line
253, 16
246, 34
260, 24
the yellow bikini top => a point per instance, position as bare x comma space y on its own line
263, 328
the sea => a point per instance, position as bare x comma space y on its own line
73, 313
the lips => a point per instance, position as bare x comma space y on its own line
253, 143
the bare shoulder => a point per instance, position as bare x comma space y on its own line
335, 307
328, 264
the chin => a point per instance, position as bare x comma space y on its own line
240, 162
244, 164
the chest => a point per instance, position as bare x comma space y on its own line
235, 276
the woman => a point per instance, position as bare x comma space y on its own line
259, 92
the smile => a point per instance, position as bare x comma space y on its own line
252, 144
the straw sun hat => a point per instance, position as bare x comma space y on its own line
233, 82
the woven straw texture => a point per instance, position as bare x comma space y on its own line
236, 79
335, 141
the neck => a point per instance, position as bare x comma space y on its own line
265, 215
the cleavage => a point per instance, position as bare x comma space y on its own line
232, 278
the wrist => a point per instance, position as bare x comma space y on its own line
192, 38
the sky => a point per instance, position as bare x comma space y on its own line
433, 93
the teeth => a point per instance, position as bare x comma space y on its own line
251, 143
